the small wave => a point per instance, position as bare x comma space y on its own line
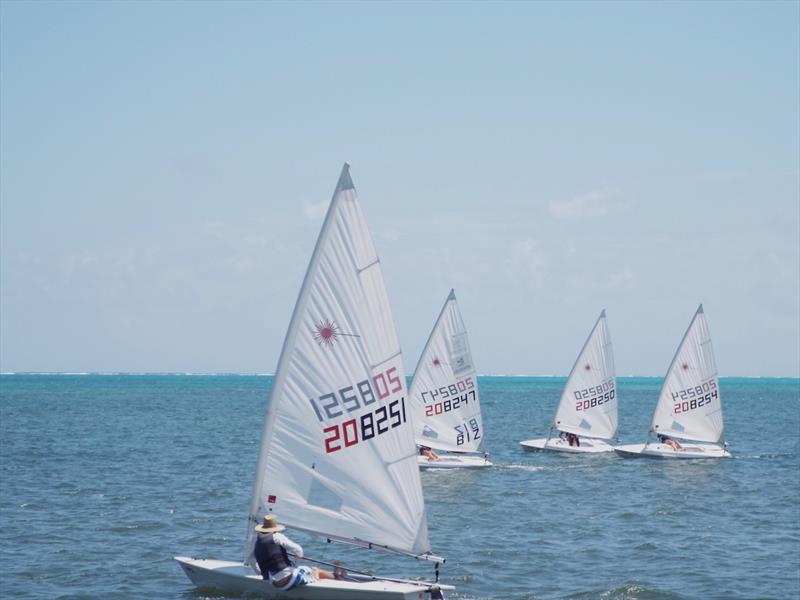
627, 592
529, 468
764, 456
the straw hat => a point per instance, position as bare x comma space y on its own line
270, 525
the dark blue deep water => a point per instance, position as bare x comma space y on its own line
104, 478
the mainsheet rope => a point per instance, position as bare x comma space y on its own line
339, 565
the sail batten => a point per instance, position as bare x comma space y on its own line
444, 391
689, 404
337, 431
588, 404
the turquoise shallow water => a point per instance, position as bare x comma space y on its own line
104, 478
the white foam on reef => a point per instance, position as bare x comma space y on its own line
516, 375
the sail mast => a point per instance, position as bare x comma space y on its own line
444, 392
689, 404
588, 403
577, 360
672, 364
345, 182
451, 296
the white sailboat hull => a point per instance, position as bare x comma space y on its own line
690, 450
453, 461
588, 446
236, 577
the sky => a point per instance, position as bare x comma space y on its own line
165, 167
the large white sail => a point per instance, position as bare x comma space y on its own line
337, 451
444, 392
588, 405
690, 405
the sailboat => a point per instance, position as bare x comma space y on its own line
690, 404
337, 456
587, 411
445, 405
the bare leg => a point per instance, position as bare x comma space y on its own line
324, 574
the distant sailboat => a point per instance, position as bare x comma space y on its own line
587, 412
690, 404
445, 403
337, 455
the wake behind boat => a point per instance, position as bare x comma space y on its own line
445, 404
454, 461
688, 416
337, 456
587, 412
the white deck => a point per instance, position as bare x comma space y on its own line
659, 450
588, 446
454, 461
238, 578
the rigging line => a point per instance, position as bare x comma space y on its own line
385, 360
364, 268
371, 545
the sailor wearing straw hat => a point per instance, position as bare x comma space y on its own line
271, 554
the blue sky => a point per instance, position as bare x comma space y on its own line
164, 169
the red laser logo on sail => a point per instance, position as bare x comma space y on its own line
326, 332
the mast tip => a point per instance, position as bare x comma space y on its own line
345, 183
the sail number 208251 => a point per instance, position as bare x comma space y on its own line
351, 398
367, 426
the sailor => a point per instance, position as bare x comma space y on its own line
428, 453
271, 554
674, 444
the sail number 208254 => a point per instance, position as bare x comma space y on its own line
694, 397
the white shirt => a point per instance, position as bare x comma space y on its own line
289, 546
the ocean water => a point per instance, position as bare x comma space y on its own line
104, 478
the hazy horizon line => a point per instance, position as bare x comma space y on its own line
253, 374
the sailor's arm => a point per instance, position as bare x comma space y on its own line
288, 544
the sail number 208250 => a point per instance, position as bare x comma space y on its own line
356, 397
